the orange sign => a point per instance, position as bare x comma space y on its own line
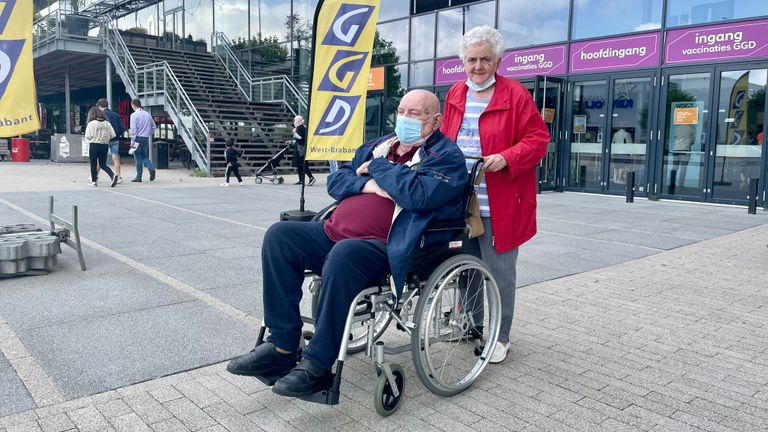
686, 116
548, 114
376, 78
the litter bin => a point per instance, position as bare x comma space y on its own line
161, 147
20, 150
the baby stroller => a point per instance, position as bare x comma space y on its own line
271, 167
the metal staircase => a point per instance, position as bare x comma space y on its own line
266, 89
206, 106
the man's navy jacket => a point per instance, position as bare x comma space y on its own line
429, 187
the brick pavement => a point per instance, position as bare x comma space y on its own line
676, 341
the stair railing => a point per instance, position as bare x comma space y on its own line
266, 89
158, 83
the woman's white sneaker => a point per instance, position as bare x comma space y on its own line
499, 353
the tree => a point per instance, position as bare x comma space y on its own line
384, 53
268, 48
298, 30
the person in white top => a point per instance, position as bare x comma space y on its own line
98, 133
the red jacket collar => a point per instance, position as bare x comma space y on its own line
499, 100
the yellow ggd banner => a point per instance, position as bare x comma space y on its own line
343, 40
18, 104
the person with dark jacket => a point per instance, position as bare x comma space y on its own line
119, 128
230, 154
386, 195
298, 160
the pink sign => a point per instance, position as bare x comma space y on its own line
529, 62
717, 42
626, 52
534, 61
449, 71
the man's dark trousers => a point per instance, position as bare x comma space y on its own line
346, 267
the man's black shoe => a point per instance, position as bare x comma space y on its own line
312, 181
136, 180
306, 378
114, 181
297, 183
264, 363
151, 175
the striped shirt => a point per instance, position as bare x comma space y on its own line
468, 141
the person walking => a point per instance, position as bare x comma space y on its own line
230, 154
142, 128
119, 127
98, 132
300, 151
496, 118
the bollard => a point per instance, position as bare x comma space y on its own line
672, 180
583, 176
539, 176
752, 196
631, 187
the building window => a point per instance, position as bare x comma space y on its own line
523, 25
685, 12
391, 43
592, 18
423, 37
420, 6
422, 74
393, 9
453, 23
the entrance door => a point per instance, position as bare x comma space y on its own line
588, 114
739, 136
173, 28
686, 115
548, 94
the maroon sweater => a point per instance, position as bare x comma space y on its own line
365, 216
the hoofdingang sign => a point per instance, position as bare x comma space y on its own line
625, 52
18, 113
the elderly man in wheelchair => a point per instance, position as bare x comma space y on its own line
400, 204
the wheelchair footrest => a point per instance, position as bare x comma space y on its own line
327, 397
268, 380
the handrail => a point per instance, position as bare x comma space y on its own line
158, 80
248, 85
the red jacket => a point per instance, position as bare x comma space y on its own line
512, 126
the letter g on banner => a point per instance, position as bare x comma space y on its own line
348, 24
337, 116
343, 71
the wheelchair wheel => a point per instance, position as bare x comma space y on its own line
358, 336
384, 399
457, 324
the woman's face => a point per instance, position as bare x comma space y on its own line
480, 62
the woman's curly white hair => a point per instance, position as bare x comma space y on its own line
480, 35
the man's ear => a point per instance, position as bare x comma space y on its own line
438, 121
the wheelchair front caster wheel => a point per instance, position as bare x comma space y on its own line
384, 398
259, 180
307, 335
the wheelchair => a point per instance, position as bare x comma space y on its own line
450, 308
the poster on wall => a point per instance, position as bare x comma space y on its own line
717, 42
579, 124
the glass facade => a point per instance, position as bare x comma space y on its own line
523, 25
593, 18
685, 12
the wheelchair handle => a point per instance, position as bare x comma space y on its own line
475, 168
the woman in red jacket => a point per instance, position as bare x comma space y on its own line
496, 118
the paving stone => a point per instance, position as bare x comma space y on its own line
114, 408
56, 423
130, 423
190, 414
89, 419
150, 410
24, 427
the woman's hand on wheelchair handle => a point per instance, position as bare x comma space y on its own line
494, 162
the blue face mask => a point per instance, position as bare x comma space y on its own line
408, 130
480, 87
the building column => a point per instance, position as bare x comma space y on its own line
109, 81
67, 108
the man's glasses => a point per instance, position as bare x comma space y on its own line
485, 61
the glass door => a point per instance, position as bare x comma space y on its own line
686, 119
588, 115
548, 95
630, 131
739, 139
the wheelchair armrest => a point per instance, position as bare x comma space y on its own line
325, 213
